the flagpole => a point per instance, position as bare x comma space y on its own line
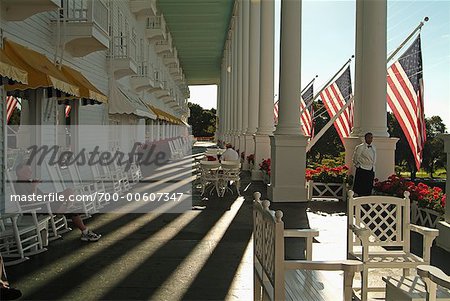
328, 125
304, 89
309, 84
326, 85
408, 38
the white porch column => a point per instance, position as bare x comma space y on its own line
240, 143
245, 79
253, 89
218, 109
443, 240
266, 89
370, 85
288, 142
234, 71
229, 91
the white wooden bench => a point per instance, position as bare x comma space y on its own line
281, 279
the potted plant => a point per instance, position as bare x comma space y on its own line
264, 166
427, 203
327, 182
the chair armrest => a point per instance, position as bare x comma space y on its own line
351, 266
425, 231
30, 210
434, 274
301, 233
362, 233
309, 234
5, 216
428, 237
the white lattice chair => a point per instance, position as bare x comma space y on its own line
273, 274
210, 175
375, 222
433, 278
230, 173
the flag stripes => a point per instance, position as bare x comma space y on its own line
306, 116
67, 110
405, 98
334, 97
11, 104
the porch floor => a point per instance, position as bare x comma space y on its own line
202, 254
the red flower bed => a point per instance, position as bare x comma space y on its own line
426, 196
325, 174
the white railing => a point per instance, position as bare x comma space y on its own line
124, 47
143, 69
92, 11
317, 190
156, 22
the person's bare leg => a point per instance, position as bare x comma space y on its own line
78, 222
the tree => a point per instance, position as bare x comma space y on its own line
433, 153
329, 145
203, 121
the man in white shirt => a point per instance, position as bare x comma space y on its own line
230, 154
364, 159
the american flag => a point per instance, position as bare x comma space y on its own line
275, 112
405, 97
67, 110
306, 117
11, 103
334, 97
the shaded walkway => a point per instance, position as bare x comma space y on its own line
197, 255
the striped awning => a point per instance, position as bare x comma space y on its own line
8, 69
165, 116
42, 73
122, 101
87, 89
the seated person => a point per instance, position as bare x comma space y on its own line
6, 292
26, 186
229, 154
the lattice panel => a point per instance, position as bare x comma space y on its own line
381, 219
269, 248
329, 190
258, 235
427, 218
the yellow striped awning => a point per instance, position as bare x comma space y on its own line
87, 89
42, 73
165, 116
10, 70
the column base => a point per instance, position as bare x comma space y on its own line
262, 152
349, 144
385, 165
443, 240
249, 149
241, 144
288, 153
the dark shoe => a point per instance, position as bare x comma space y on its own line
9, 293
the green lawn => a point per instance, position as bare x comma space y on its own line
438, 174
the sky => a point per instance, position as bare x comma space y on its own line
328, 41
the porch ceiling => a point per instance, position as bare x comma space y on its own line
199, 29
